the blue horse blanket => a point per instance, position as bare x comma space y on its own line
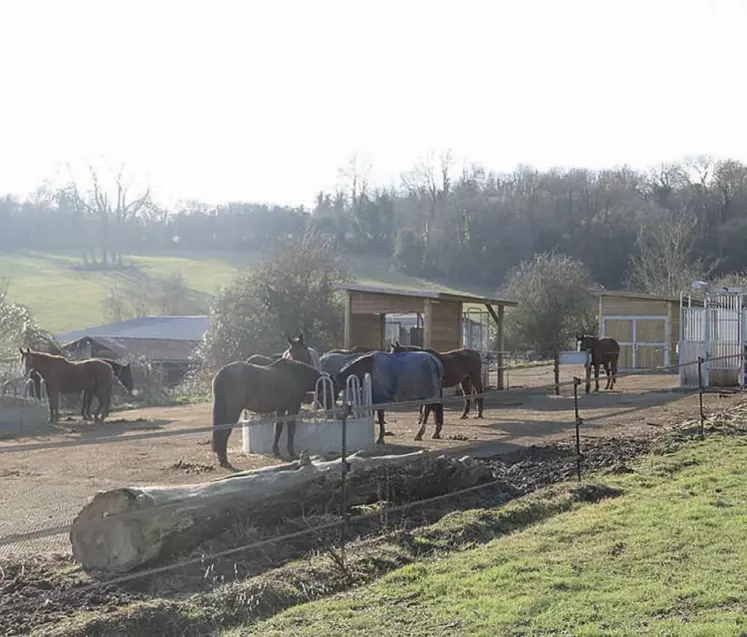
404, 376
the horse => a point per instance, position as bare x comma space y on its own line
605, 352
277, 388
332, 362
401, 376
358, 349
462, 367
63, 376
261, 359
123, 374
299, 351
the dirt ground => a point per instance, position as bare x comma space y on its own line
43, 489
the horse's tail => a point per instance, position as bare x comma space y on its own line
220, 417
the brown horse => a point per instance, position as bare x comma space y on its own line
462, 367
68, 377
277, 388
605, 352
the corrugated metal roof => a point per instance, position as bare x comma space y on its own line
175, 328
150, 349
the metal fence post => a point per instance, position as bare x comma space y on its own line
701, 389
579, 422
344, 468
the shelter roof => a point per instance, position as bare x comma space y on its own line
422, 295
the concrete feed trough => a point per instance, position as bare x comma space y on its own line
21, 416
317, 433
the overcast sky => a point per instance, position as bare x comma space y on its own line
266, 100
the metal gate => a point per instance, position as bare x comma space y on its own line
644, 340
716, 333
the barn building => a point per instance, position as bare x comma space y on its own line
167, 342
646, 326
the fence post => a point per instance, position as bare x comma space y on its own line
579, 422
701, 389
556, 371
344, 468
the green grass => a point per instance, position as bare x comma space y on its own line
64, 297
668, 557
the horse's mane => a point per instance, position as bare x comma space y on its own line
45, 355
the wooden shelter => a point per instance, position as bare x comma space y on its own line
366, 308
646, 327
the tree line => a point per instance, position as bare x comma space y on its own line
648, 230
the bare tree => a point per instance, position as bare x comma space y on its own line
665, 262
111, 208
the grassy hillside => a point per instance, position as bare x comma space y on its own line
64, 297
664, 558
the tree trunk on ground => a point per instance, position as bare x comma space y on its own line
122, 529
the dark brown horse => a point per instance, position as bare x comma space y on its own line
67, 377
462, 367
123, 374
603, 351
278, 388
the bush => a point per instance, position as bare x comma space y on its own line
291, 291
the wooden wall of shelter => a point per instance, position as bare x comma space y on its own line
646, 327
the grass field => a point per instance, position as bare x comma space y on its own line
64, 297
665, 558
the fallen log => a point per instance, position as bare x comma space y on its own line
126, 528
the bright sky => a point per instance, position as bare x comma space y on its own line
265, 100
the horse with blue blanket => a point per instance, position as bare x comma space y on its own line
400, 377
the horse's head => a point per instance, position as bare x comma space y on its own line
26, 360
297, 349
586, 342
396, 347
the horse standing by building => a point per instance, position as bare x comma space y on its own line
604, 352
67, 377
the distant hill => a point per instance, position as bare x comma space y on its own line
65, 297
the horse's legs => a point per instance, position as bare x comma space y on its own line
608, 373
425, 412
466, 386
104, 404
439, 409
380, 413
278, 433
291, 436
382, 429
613, 365
596, 377
53, 395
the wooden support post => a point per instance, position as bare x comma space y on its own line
382, 332
500, 342
348, 319
556, 371
428, 324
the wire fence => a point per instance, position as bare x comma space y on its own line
43, 522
